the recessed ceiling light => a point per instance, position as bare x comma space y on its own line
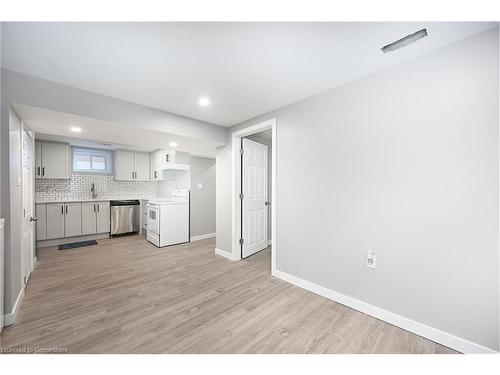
173, 144
204, 102
403, 42
76, 129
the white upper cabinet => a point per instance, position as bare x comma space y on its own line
124, 165
156, 164
141, 166
131, 165
162, 160
53, 160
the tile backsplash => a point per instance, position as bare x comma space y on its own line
78, 187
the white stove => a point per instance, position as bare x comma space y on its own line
168, 219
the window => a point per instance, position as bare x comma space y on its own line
91, 160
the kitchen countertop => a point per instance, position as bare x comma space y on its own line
98, 199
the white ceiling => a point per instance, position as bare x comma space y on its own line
246, 69
55, 126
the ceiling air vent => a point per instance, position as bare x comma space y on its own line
403, 42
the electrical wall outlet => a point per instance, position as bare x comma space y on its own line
371, 259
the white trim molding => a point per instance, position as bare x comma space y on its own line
434, 334
9, 319
236, 182
225, 254
202, 237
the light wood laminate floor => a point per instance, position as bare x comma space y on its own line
127, 296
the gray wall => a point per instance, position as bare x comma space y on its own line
404, 162
202, 216
223, 226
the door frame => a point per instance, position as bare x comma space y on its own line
236, 187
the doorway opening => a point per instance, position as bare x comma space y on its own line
254, 191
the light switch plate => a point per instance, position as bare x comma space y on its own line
199, 185
371, 259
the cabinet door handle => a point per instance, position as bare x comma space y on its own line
43, 171
167, 158
62, 209
94, 207
97, 207
38, 171
66, 209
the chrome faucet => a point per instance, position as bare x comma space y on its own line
93, 190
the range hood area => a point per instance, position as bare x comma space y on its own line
163, 161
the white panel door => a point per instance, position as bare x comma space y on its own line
55, 220
89, 224
141, 166
124, 165
72, 219
103, 217
28, 241
254, 203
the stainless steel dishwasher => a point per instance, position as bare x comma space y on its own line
125, 216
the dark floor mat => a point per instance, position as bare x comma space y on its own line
74, 245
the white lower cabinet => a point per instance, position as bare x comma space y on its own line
89, 219
95, 217
72, 219
55, 220
103, 217
41, 222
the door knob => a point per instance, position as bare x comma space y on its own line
33, 219
267, 203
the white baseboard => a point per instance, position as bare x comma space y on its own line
225, 254
202, 237
420, 329
9, 319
